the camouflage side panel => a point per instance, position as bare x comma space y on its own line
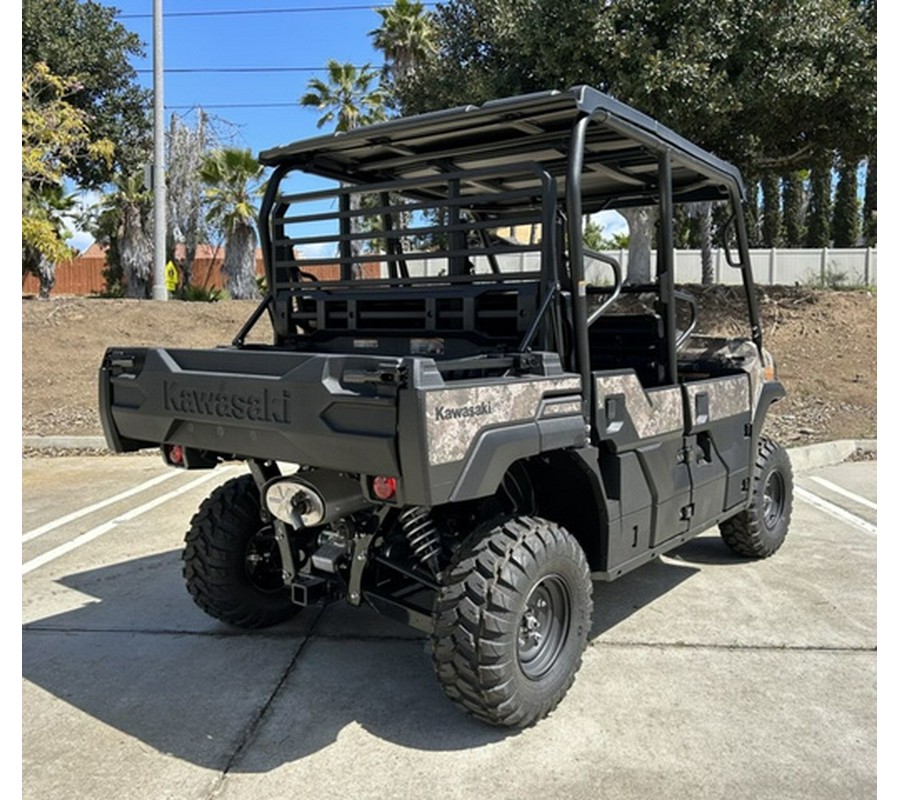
652, 412
454, 418
724, 397
646, 476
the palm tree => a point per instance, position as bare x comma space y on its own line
233, 178
123, 223
348, 98
349, 101
406, 37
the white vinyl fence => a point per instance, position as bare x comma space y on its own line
836, 268
844, 268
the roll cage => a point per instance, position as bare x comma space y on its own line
420, 244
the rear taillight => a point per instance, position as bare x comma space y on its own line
174, 454
384, 488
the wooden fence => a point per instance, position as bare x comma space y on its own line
84, 274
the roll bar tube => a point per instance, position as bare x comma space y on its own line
576, 260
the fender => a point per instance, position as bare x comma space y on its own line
771, 392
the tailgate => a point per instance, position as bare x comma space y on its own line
332, 411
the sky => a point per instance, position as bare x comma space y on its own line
255, 109
285, 35
202, 44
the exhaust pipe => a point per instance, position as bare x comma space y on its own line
314, 498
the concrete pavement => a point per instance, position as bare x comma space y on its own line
706, 676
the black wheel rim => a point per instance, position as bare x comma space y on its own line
262, 562
543, 626
773, 499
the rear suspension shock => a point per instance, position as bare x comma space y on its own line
422, 535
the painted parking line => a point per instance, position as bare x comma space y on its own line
834, 510
83, 512
106, 527
844, 492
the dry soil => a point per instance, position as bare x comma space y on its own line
823, 341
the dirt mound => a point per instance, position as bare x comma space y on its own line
823, 341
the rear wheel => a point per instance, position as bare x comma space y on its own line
511, 621
759, 530
232, 564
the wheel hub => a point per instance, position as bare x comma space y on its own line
773, 499
543, 626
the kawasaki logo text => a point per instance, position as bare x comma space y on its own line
463, 412
260, 406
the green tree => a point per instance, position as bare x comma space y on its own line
753, 214
233, 177
870, 204
766, 85
54, 135
794, 205
80, 41
845, 227
771, 219
124, 226
595, 239
350, 98
818, 233
405, 36
44, 234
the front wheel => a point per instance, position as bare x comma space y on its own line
759, 530
511, 621
232, 564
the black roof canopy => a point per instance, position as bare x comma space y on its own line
621, 158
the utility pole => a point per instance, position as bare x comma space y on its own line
159, 158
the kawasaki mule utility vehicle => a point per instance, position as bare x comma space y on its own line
465, 415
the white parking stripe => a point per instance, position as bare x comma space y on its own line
842, 491
27, 537
89, 536
835, 511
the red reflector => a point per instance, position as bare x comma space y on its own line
176, 454
384, 488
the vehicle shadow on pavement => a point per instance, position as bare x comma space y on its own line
137, 655
709, 548
614, 602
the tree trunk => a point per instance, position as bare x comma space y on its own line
46, 276
707, 272
135, 253
36, 263
239, 265
641, 227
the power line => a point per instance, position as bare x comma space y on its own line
194, 70
260, 11
295, 104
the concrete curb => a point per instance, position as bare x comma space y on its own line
802, 458
64, 442
822, 455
